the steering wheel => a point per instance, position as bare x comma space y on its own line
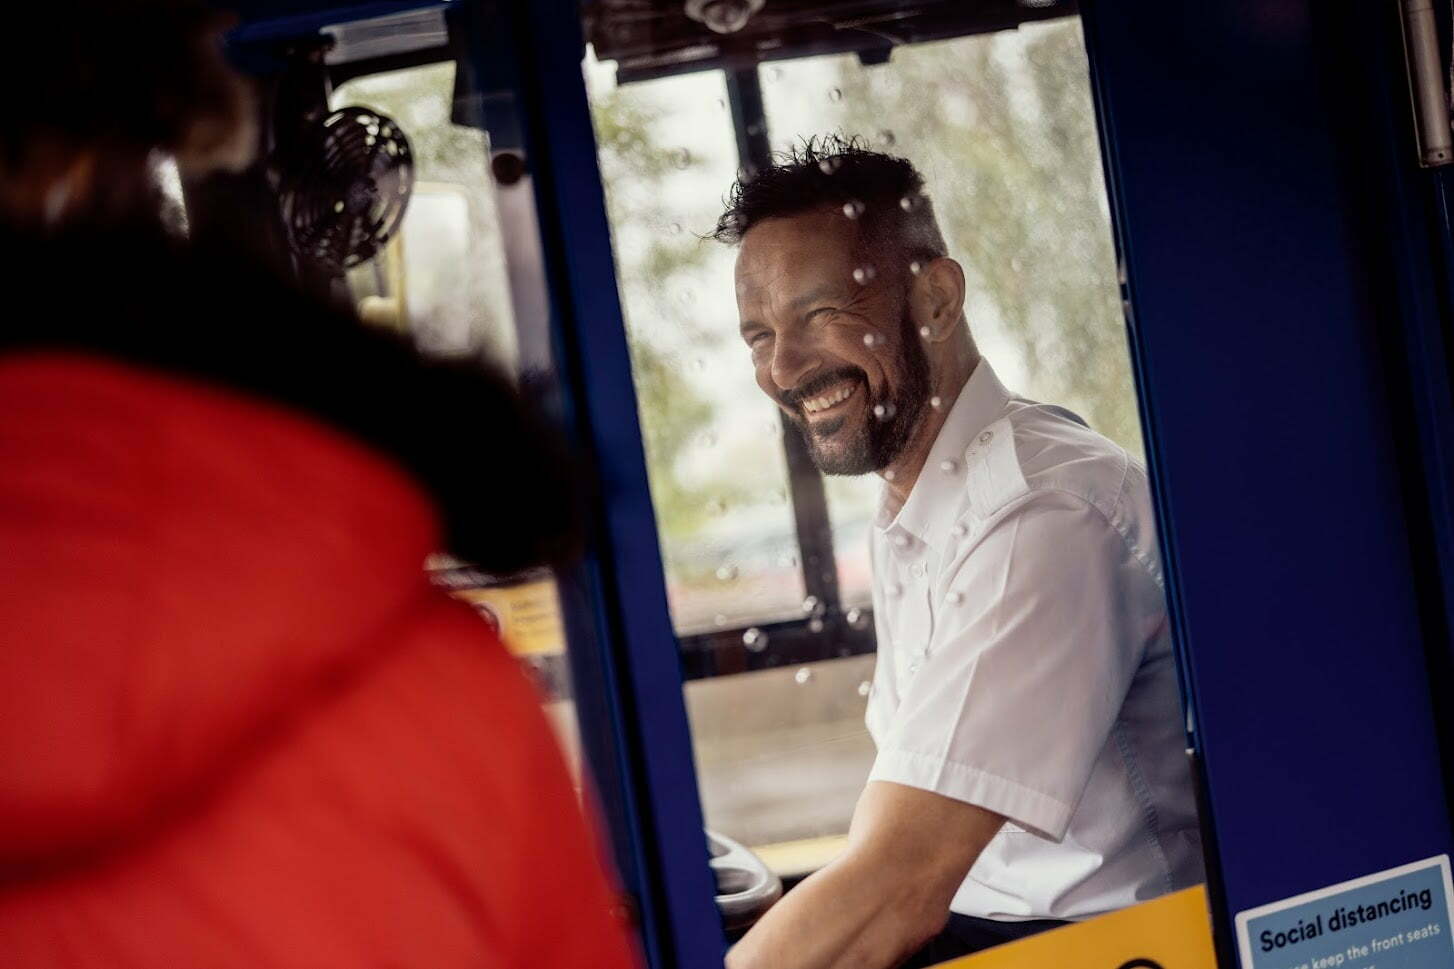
746, 888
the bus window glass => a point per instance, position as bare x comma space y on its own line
1000, 124
1003, 129
442, 278
443, 281
714, 457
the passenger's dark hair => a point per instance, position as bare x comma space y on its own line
885, 193
510, 493
120, 76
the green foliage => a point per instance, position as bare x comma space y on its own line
672, 414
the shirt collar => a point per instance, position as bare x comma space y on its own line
980, 403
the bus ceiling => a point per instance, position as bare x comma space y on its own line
646, 38
657, 38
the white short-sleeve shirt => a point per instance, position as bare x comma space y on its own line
1025, 662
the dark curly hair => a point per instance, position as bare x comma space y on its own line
884, 193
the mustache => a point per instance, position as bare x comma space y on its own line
794, 398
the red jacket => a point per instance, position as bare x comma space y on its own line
238, 728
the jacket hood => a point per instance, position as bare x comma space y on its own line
180, 564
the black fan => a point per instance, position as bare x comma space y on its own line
346, 193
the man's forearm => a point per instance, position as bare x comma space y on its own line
908, 852
845, 915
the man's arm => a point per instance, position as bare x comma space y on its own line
885, 896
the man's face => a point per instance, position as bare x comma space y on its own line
832, 340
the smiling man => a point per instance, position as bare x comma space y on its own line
1030, 766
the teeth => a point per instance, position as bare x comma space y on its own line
815, 404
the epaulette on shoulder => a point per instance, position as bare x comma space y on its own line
994, 477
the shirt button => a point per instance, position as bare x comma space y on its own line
986, 437
913, 667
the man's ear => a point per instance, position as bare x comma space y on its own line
936, 298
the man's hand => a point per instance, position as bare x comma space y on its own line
885, 896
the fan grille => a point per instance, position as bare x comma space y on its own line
348, 197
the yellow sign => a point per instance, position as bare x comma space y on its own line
526, 616
1171, 932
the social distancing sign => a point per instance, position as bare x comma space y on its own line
1395, 919
1171, 932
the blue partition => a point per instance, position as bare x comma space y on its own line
1278, 426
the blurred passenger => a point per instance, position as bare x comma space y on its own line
240, 727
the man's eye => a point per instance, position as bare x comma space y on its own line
756, 338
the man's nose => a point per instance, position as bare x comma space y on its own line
791, 362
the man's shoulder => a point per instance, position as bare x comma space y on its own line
1037, 450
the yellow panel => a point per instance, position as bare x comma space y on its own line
527, 616
1171, 932
790, 859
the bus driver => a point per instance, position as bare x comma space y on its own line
1030, 767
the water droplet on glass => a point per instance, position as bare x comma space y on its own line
1016, 265
864, 274
802, 676
890, 474
864, 688
853, 208
675, 228
856, 618
909, 202
756, 128
727, 573
884, 411
811, 606
681, 158
835, 95
901, 541
720, 619
872, 340
886, 138
936, 402
371, 141
954, 598
338, 206
755, 639
829, 165
949, 466
925, 332
959, 530
815, 625
916, 267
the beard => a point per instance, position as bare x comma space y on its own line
838, 448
